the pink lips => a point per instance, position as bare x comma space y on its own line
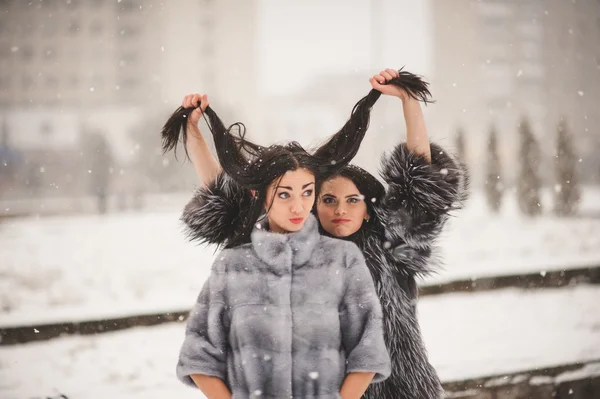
296, 220
340, 221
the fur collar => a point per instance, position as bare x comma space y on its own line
284, 250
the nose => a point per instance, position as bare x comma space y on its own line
297, 207
340, 210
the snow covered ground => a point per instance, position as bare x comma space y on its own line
467, 335
478, 244
65, 268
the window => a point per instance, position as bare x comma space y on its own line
531, 50
73, 80
129, 83
49, 28
72, 4
26, 52
4, 82
129, 31
49, 53
96, 28
530, 31
97, 82
5, 50
73, 28
207, 49
25, 28
127, 6
532, 70
51, 82
495, 9
27, 82
48, 3
128, 58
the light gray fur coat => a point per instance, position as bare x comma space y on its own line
287, 315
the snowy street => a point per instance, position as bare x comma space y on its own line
88, 267
467, 335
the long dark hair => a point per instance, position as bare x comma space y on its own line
255, 166
367, 184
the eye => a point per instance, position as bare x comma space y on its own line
328, 200
284, 195
308, 193
353, 200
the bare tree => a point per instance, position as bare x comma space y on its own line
99, 162
494, 187
567, 193
460, 144
528, 181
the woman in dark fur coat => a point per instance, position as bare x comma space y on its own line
395, 227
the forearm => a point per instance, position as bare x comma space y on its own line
211, 387
355, 384
417, 140
207, 167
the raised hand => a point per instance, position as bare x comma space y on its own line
197, 101
378, 82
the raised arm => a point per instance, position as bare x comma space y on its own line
411, 90
206, 165
425, 182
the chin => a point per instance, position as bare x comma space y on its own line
294, 227
342, 231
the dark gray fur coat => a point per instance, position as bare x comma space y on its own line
287, 315
399, 248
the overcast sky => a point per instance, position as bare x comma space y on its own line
300, 39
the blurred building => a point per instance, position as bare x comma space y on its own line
71, 65
497, 61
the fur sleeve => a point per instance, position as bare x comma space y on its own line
361, 320
213, 214
420, 194
204, 349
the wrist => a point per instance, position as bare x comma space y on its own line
403, 96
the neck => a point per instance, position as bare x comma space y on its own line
276, 228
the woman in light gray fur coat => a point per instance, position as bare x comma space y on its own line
395, 228
286, 312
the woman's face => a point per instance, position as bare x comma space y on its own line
341, 208
289, 200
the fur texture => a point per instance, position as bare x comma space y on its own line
213, 214
272, 317
420, 194
398, 245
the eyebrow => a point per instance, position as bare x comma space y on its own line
291, 189
347, 196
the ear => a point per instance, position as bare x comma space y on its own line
253, 193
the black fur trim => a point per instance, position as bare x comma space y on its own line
413, 377
420, 194
214, 214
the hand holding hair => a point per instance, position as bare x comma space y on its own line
401, 84
197, 102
